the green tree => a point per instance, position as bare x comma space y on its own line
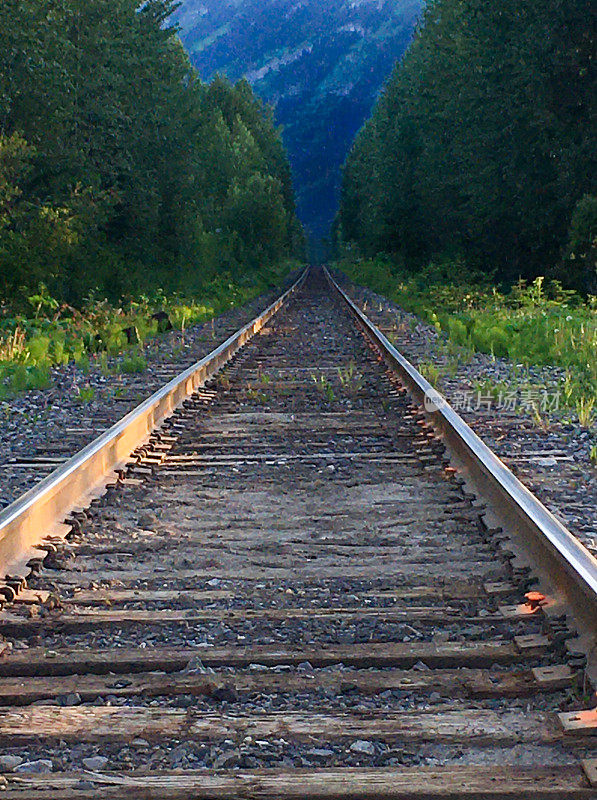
119, 170
482, 141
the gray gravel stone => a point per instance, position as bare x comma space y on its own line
95, 763
39, 767
147, 520
363, 747
320, 754
8, 763
70, 699
226, 760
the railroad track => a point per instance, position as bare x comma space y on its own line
292, 592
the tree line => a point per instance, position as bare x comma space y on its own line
482, 144
121, 171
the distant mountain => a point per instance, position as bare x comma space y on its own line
320, 63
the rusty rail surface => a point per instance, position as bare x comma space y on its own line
40, 511
567, 566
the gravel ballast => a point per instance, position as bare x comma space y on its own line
50, 426
551, 457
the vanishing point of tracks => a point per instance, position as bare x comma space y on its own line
291, 593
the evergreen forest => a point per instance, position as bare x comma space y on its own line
481, 148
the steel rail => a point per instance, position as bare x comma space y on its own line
41, 511
568, 566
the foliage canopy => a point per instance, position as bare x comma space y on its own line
483, 143
120, 171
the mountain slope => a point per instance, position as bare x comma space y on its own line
320, 64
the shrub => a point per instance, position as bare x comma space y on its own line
39, 347
498, 341
456, 330
136, 363
22, 378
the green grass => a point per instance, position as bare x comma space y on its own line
55, 334
431, 372
135, 363
16, 378
530, 324
324, 387
86, 394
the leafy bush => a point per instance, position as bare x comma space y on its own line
39, 347
456, 330
15, 378
136, 363
493, 339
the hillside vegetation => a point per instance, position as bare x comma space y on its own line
120, 171
320, 64
482, 145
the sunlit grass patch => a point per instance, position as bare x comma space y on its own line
55, 334
536, 324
